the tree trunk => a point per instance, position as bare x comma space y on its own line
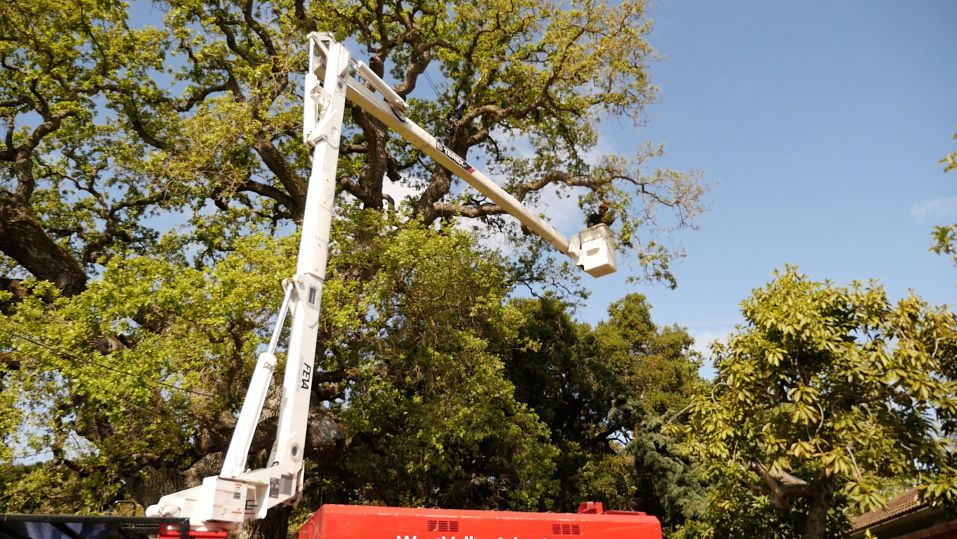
23, 239
817, 516
274, 526
151, 484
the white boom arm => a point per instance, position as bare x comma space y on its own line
235, 495
226, 500
591, 250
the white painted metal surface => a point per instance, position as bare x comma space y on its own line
597, 251
281, 481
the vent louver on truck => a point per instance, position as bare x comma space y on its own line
566, 529
443, 526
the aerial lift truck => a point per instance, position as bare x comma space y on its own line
237, 494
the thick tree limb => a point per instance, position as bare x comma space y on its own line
421, 57
369, 189
268, 191
23, 160
782, 485
438, 188
444, 210
258, 29
817, 516
24, 239
136, 122
277, 164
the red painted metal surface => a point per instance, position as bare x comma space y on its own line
170, 531
363, 522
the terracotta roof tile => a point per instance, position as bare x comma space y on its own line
905, 503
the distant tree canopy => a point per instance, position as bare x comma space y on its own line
614, 382
151, 177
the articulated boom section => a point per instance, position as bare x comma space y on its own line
226, 500
593, 251
238, 494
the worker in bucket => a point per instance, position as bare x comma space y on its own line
601, 217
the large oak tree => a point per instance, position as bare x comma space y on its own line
151, 174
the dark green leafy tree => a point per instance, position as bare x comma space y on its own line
430, 418
604, 394
821, 396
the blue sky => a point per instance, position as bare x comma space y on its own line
823, 123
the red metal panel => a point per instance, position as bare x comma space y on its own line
363, 522
312, 529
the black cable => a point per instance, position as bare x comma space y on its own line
429, 80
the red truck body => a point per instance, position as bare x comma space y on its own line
364, 522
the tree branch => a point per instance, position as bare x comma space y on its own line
781, 485
277, 164
23, 239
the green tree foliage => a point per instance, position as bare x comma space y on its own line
430, 417
824, 393
603, 393
140, 371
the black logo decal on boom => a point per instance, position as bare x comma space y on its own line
306, 375
453, 156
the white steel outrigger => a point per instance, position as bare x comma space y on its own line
235, 495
